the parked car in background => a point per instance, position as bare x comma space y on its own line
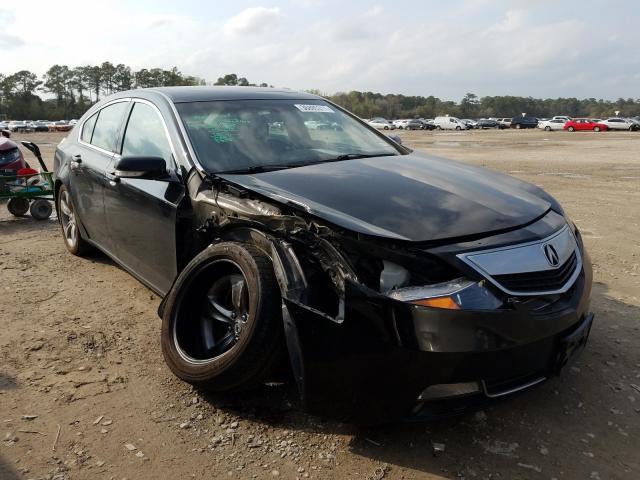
485, 123
427, 124
523, 122
636, 123
618, 123
561, 117
381, 124
19, 126
552, 124
414, 124
505, 122
401, 123
39, 126
585, 124
470, 123
60, 126
449, 123
395, 283
73, 121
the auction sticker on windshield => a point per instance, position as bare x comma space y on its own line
313, 108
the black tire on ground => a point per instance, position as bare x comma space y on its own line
71, 234
18, 207
40, 209
458, 127
518, 126
571, 129
547, 128
193, 339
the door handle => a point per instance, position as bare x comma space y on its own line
76, 159
112, 177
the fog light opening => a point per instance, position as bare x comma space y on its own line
448, 390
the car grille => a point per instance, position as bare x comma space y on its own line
540, 281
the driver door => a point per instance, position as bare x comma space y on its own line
141, 212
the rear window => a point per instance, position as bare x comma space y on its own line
87, 128
105, 132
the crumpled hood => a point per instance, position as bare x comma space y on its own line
411, 197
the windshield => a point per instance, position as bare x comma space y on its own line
250, 135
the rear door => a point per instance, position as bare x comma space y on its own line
141, 213
96, 147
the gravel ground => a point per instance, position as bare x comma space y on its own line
84, 392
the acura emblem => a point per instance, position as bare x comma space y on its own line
552, 255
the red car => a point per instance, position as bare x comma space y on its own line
11, 159
590, 124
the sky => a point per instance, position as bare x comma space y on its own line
539, 48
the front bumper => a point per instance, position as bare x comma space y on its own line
373, 366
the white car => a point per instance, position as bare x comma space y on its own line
381, 124
401, 124
617, 123
449, 123
562, 117
505, 122
553, 124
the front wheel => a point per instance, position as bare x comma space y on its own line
596, 129
547, 128
221, 325
458, 127
571, 129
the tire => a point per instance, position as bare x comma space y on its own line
41, 209
69, 222
189, 328
18, 207
458, 127
547, 128
596, 129
386, 128
518, 126
571, 129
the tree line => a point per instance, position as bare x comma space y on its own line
70, 91
369, 104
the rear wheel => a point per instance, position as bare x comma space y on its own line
547, 128
458, 127
18, 207
518, 126
596, 129
222, 328
69, 222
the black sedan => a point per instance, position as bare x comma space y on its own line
396, 284
485, 123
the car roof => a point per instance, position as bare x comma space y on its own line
205, 94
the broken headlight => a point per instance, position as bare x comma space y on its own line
459, 294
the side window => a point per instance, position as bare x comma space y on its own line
87, 128
145, 134
105, 133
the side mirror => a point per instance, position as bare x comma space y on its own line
133, 166
6, 133
396, 139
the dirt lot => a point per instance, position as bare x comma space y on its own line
84, 392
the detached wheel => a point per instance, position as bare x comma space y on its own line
18, 207
222, 327
41, 209
69, 222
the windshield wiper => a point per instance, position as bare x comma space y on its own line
354, 156
258, 169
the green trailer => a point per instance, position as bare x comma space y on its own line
29, 191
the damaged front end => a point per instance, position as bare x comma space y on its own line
379, 330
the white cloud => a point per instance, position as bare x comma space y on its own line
253, 21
